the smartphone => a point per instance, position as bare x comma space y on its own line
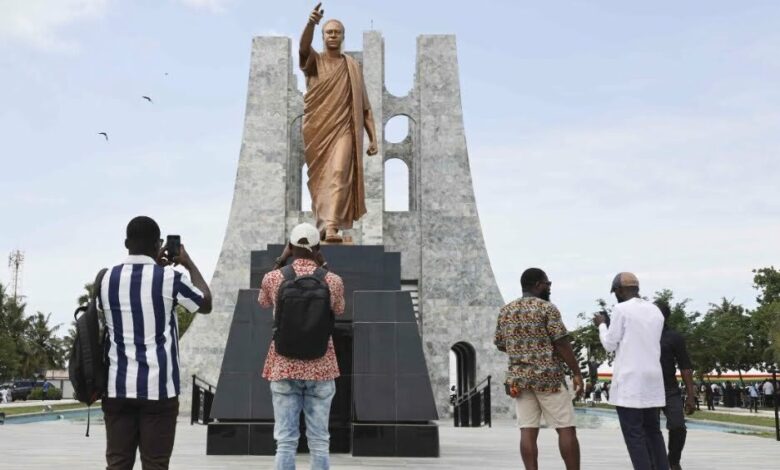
172, 244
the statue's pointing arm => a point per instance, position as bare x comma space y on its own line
305, 50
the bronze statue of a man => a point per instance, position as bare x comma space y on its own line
336, 110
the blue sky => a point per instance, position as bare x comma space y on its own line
603, 136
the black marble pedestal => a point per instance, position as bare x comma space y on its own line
383, 392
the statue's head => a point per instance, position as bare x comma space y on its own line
333, 34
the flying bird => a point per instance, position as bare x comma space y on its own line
147, 99
166, 74
104, 135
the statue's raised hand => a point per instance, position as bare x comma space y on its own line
316, 15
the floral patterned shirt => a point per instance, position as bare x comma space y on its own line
526, 330
278, 367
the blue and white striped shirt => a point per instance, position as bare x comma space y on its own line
139, 299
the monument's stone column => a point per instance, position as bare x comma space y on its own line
257, 214
373, 166
458, 293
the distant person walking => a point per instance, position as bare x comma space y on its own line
753, 397
709, 396
139, 299
674, 355
531, 332
634, 335
298, 384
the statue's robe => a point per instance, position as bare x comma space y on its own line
335, 106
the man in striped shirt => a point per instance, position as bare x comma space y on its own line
139, 299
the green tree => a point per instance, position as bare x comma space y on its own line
767, 281
766, 318
587, 345
46, 348
184, 318
13, 326
731, 337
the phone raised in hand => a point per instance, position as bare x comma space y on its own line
172, 244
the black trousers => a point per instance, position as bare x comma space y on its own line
675, 423
132, 424
641, 429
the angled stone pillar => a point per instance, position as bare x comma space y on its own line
458, 293
257, 214
373, 166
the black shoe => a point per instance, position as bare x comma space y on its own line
675, 467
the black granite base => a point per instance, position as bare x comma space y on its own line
395, 440
257, 438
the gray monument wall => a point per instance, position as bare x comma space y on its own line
439, 238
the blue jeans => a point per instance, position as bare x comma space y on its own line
289, 398
642, 432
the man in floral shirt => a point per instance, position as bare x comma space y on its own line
532, 334
302, 384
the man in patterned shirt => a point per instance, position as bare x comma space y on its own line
302, 384
531, 332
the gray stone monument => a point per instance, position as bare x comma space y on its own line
443, 256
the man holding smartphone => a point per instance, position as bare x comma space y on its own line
139, 298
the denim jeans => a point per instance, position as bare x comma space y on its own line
289, 398
641, 429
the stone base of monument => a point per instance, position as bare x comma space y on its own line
384, 403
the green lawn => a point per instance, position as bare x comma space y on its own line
39, 408
719, 417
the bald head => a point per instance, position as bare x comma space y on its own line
333, 34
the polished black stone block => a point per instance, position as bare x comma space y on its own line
374, 349
261, 439
395, 440
360, 267
242, 394
227, 439
390, 377
375, 398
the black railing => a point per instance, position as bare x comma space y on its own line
472, 409
202, 398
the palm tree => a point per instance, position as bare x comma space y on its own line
45, 347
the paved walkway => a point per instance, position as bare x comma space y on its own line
62, 445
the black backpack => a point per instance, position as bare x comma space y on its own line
303, 320
87, 369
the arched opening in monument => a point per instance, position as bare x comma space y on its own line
396, 129
305, 196
396, 186
463, 368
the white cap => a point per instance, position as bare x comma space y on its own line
305, 231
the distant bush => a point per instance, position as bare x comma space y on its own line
53, 394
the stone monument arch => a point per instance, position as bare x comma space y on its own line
442, 249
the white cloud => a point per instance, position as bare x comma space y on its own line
214, 6
39, 23
688, 202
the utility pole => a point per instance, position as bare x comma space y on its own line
15, 262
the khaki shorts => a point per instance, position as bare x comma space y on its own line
557, 408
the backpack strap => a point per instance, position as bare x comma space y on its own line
98, 283
288, 272
320, 274
96, 293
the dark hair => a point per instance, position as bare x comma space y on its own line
530, 277
663, 306
142, 234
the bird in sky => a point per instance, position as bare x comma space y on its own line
104, 135
147, 99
